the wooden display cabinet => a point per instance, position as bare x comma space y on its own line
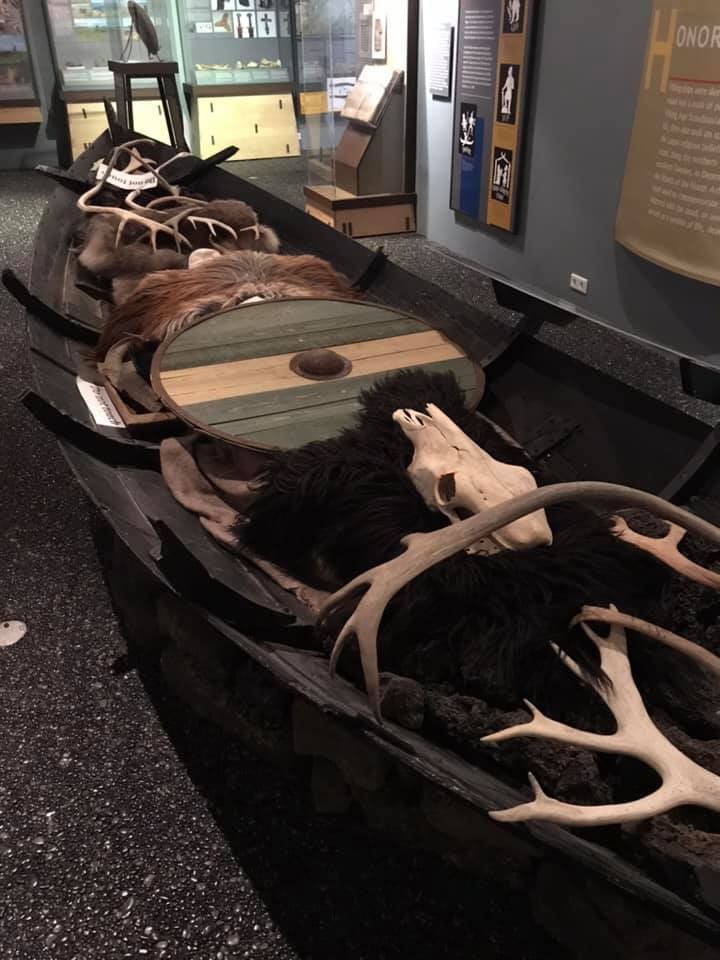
260, 121
86, 117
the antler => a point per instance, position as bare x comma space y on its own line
424, 550
161, 201
693, 650
666, 550
210, 223
127, 216
683, 780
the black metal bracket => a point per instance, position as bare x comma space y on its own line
553, 431
520, 302
686, 483
202, 166
700, 380
75, 184
372, 271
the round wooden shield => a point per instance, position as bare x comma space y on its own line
280, 373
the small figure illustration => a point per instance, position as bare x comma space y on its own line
467, 135
513, 13
502, 175
508, 92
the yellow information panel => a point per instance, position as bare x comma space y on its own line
510, 93
670, 206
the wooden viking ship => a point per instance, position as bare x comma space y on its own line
230, 638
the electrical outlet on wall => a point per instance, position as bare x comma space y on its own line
579, 284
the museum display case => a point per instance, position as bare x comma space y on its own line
239, 62
354, 87
18, 98
85, 34
328, 66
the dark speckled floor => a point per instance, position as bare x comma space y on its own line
130, 832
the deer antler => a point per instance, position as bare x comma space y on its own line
138, 162
208, 221
666, 550
683, 780
424, 550
693, 650
127, 216
211, 224
131, 198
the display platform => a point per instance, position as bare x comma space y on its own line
223, 628
371, 215
367, 196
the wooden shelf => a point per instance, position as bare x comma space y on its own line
21, 112
201, 90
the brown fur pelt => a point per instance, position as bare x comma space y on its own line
135, 257
163, 303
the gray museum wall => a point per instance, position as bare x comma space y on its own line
24, 145
587, 66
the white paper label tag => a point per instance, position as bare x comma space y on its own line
127, 181
102, 409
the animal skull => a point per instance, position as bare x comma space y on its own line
452, 474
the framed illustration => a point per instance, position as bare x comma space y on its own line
245, 25
514, 16
379, 34
266, 24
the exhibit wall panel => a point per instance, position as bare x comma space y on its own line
587, 68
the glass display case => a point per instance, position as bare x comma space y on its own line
328, 67
239, 58
17, 86
237, 41
87, 33
354, 101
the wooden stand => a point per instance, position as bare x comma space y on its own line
368, 216
368, 197
259, 118
369, 159
163, 71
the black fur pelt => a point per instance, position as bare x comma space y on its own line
335, 508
